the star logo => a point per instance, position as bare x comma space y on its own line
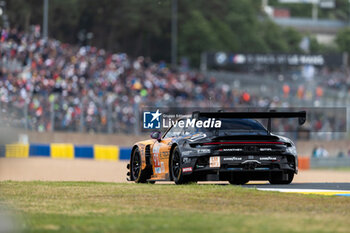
151, 120
156, 115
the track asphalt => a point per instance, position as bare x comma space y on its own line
330, 189
326, 186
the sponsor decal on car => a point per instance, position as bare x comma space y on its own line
158, 170
203, 151
186, 160
268, 158
187, 169
265, 149
162, 167
155, 151
232, 158
186, 152
164, 154
232, 149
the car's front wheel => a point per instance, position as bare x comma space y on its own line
175, 167
136, 172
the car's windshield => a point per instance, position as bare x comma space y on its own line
236, 126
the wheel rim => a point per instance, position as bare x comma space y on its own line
136, 164
176, 164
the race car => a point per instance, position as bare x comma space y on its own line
238, 151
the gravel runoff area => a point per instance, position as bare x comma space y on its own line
48, 169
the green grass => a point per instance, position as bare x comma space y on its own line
113, 207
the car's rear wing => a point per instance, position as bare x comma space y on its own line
301, 115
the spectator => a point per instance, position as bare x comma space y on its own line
94, 90
341, 154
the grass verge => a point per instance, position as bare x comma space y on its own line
113, 207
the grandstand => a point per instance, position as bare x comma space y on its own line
47, 85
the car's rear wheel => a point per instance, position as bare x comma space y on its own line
175, 167
280, 181
238, 181
136, 172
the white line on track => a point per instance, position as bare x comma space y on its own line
329, 192
304, 190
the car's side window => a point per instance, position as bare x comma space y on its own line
175, 131
168, 133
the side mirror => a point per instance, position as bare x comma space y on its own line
156, 135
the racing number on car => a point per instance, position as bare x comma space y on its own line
156, 162
214, 161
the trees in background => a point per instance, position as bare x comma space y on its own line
142, 27
343, 40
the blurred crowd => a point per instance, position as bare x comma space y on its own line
322, 152
46, 84
89, 87
338, 79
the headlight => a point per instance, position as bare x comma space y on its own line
292, 150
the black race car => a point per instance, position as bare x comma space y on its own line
238, 150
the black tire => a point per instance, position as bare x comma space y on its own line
239, 181
175, 168
136, 173
280, 181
